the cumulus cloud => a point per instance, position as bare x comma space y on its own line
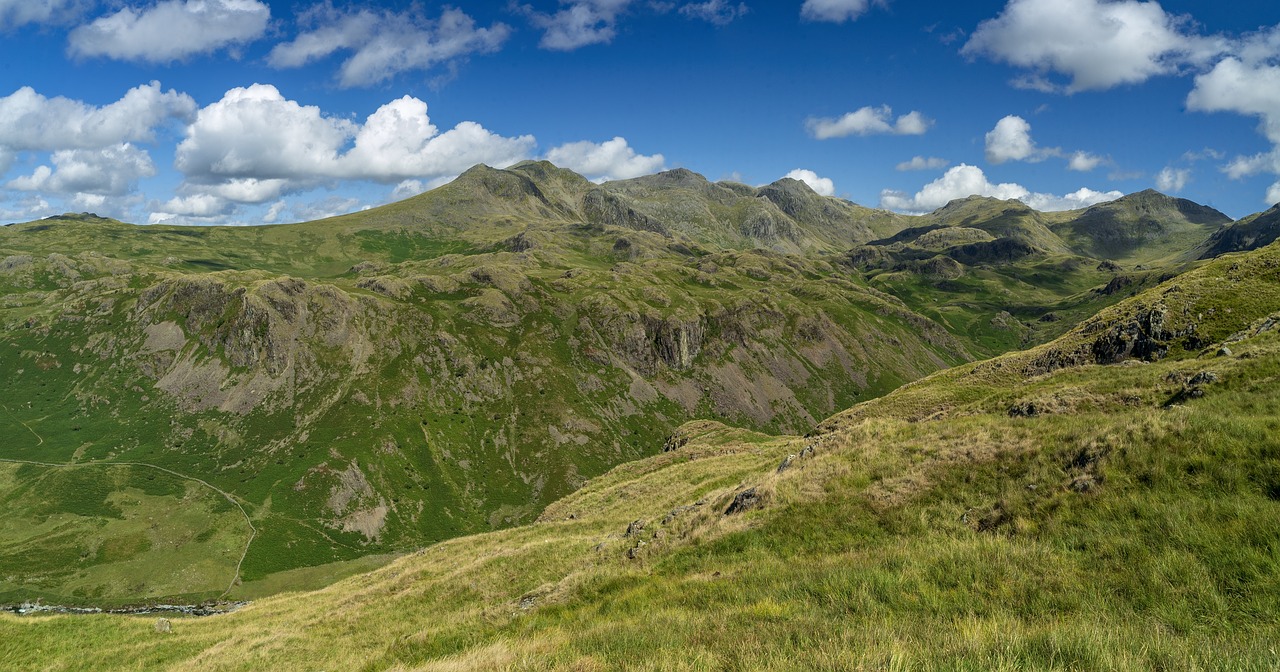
1247, 166
835, 11
822, 185
17, 13
1172, 180
110, 171
32, 122
578, 24
719, 12
274, 212
171, 30
610, 160
196, 205
1248, 85
1246, 88
868, 121
92, 150
1084, 161
384, 44
923, 163
1097, 44
254, 145
964, 180
1011, 140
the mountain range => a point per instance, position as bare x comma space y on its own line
296, 403
1102, 498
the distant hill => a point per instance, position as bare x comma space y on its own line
1250, 233
1139, 228
454, 362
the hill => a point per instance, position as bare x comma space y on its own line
1250, 233
1140, 228
450, 364
1048, 509
371, 383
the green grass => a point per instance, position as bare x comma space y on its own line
1124, 526
107, 535
452, 364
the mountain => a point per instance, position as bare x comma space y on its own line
1250, 233
1139, 228
1046, 509
374, 382
315, 396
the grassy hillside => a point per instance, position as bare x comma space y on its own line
438, 367
1250, 233
1106, 501
451, 364
1141, 228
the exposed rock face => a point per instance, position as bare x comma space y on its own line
764, 225
1146, 335
607, 209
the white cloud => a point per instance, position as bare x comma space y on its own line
16, 13
822, 185
578, 24
1273, 194
274, 212
407, 189
384, 44
256, 133
195, 205
171, 30
964, 180
1084, 161
32, 122
868, 121
1080, 198
1248, 85
330, 206
255, 145
1011, 140
836, 11
924, 163
399, 142
1172, 180
719, 12
1098, 44
1246, 88
114, 171
25, 209
610, 160
1248, 166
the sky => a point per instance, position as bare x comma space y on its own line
206, 112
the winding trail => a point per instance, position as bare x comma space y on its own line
15, 419
253, 531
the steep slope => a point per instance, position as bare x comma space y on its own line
397, 404
454, 362
1139, 228
1037, 511
1250, 233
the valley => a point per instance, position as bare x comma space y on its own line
1053, 505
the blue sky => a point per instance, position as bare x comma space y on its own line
249, 111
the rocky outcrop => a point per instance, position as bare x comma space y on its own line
604, 208
1148, 334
